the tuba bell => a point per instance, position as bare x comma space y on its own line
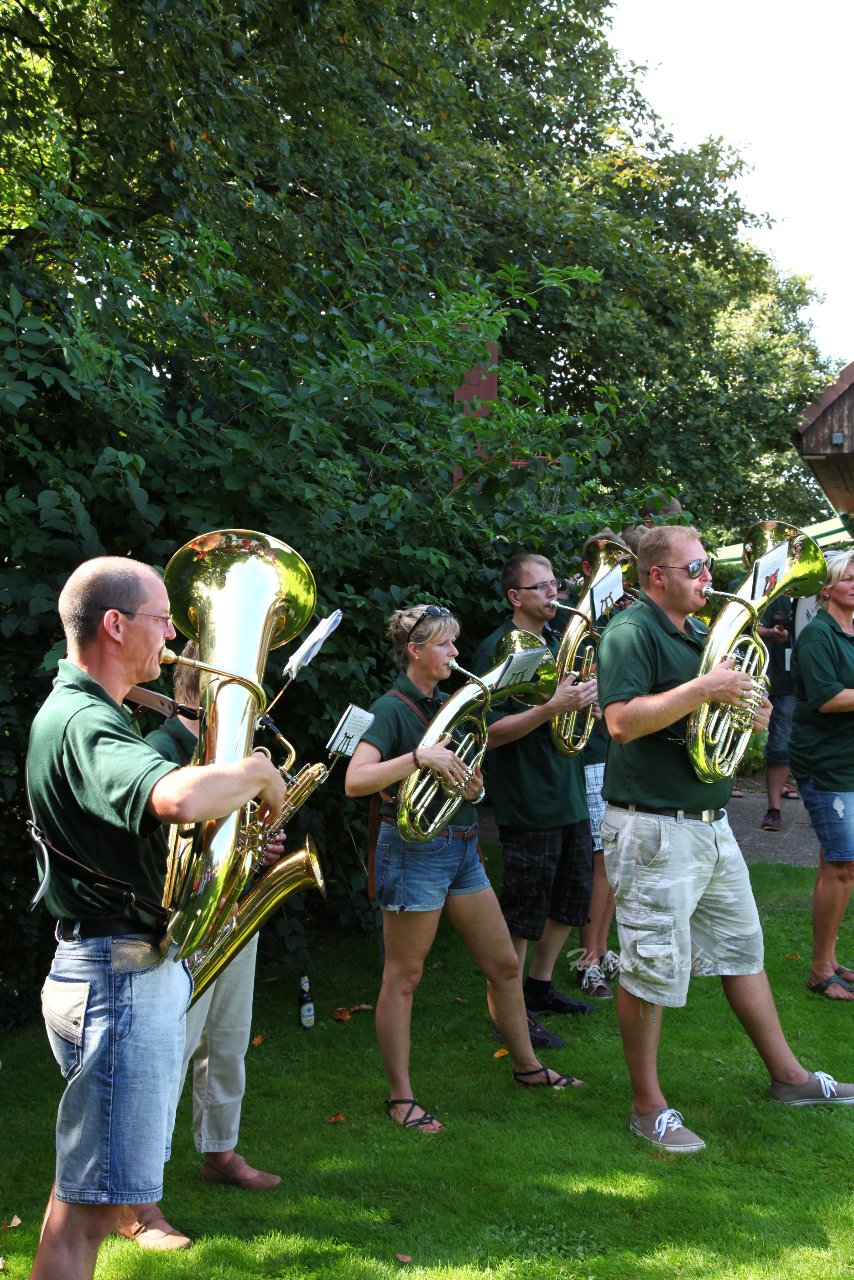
239, 594
718, 733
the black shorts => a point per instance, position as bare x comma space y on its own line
547, 875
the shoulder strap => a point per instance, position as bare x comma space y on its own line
122, 890
395, 693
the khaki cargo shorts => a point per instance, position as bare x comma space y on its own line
684, 903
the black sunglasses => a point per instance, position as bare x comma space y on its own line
431, 611
693, 568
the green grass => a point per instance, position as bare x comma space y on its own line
522, 1183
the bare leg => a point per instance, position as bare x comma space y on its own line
478, 920
640, 1028
71, 1237
593, 936
752, 1003
547, 950
408, 937
775, 781
833, 885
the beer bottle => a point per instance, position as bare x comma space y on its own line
306, 1003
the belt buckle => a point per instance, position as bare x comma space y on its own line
709, 815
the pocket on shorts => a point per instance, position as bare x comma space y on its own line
64, 1011
651, 838
425, 848
134, 955
647, 947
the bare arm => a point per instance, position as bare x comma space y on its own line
367, 772
652, 712
570, 695
842, 701
212, 791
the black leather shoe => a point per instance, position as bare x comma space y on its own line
556, 1002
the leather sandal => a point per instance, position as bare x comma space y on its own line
409, 1121
146, 1226
521, 1078
238, 1173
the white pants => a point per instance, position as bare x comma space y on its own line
218, 1029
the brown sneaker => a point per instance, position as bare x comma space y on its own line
771, 821
594, 984
146, 1226
819, 1089
665, 1130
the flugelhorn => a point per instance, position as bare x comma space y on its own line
782, 561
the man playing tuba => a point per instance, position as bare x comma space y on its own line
113, 1004
683, 897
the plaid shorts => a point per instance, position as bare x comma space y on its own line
548, 875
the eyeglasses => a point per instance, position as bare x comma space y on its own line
693, 568
431, 611
559, 583
165, 619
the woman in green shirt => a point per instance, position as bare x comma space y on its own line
821, 750
417, 881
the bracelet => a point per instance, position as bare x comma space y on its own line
415, 758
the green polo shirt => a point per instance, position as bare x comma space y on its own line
90, 777
173, 740
531, 785
642, 652
821, 745
397, 730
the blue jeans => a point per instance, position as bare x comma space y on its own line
419, 876
779, 729
832, 816
114, 1011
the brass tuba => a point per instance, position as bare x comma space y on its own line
571, 730
718, 733
239, 594
426, 802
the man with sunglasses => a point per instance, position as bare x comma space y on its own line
540, 803
113, 1005
683, 897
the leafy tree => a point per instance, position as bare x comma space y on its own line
250, 250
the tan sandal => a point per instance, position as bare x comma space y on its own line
237, 1172
146, 1226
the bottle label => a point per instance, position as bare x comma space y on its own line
306, 1014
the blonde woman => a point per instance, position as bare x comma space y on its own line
821, 750
417, 882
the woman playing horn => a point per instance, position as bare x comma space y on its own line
416, 882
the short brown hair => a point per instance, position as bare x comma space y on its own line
106, 582
511, 574
657, 543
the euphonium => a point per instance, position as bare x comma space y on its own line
426, 802
238, 594
571, 730
718, 733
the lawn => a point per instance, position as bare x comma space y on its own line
522, 1183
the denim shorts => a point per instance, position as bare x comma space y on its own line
416, 875
782, 711
832, 816
114, 1011
684, 903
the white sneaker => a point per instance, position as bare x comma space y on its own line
610, 964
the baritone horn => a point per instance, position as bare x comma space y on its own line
613, 569
782, 561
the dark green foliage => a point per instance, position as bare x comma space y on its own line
250, 250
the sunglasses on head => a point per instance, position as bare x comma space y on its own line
431, 611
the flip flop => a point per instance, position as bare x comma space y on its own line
790, 793
820, 988
841, 970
